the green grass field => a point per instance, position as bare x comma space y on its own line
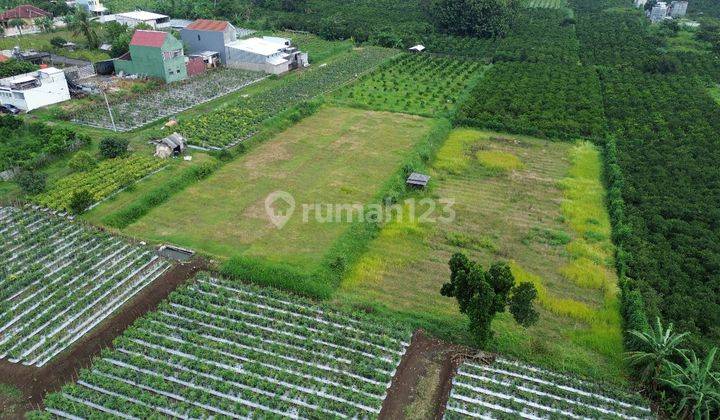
543, 211
715, 93
41, 42
335, 156
546, 4
414, 83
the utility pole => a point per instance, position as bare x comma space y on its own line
107, 103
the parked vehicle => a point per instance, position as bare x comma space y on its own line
9, 109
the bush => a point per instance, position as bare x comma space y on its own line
58, 42
82, 161
112, 147
80, 201
31, 183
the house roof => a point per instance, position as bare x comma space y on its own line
148, 38
4, 58
418, 179
208, 25
26, 11
256, 46
142, 15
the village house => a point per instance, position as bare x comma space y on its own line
27, 13
172, 145
205, 36
93, 7
35, 90
154, 54
272, 55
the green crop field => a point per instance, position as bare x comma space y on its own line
336, 156
416, 84
546, 4
535, 203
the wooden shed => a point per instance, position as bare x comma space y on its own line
172, 145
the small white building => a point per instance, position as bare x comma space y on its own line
417, 48
678, 9
659, 11
93, 7
640, 3
270, 54
132, 19
35, 90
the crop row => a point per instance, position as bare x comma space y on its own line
59, 280
508, 389
218, 348
415, 83
225, 127
102, 181
143, 108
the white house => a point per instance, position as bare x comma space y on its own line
132, 19
270, 54
659, 11
35, 90
94, 7
678, 9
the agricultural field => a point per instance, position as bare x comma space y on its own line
338, 155
59, 279
506, 389
144, 108
546, 4
537, 204
219, 348
230, 124
416, 84
108, 177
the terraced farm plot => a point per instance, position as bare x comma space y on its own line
218, 348
546, 4
59, 279
416, 84
338, 155
106, 178
537, 204
507, 389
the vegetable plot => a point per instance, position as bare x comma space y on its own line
60, 279
227, 126
218, 348
417, 84
102, 181
508, 389
170, 99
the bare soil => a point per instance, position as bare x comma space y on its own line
35, 382
422, 383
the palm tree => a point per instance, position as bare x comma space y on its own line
659, 345
81, 24
697, 384
17, 23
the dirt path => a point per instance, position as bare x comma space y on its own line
35, 382
422, 383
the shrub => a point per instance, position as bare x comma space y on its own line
80, 201
58, 42
112, 147
31, 182
82, 161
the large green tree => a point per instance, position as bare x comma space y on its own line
483, 18
80, 23
482, 294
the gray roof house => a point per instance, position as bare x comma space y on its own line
172, 145
208, 35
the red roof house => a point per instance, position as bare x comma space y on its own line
26, 12
204, 35
208, 25
154, 39
4, 58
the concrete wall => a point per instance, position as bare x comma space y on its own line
148, 61
199, 41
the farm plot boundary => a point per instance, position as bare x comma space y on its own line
35, 382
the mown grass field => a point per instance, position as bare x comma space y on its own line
338, 155
535, 203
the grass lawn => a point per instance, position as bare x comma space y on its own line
335, 156
534, 203
11, 404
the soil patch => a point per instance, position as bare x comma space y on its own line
35, 382
422, 383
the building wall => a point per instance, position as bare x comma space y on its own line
54, 89
148, 61
199, 41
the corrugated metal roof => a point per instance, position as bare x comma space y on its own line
148, 38
208, 25
256, 46
142, 15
